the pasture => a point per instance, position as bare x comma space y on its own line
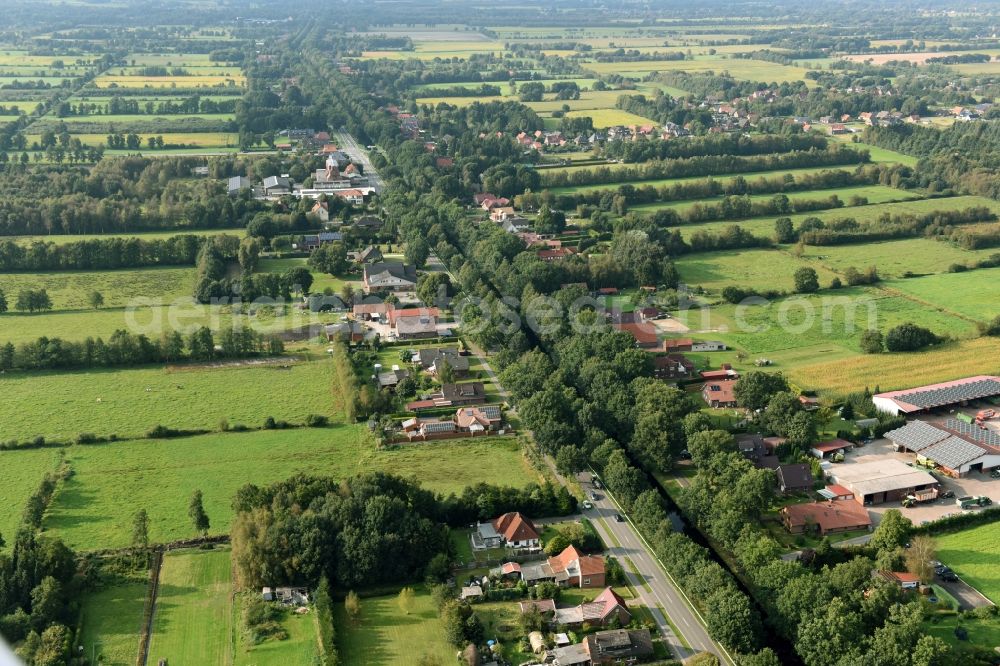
759, 269
973, 554
610, 117
94, 508
231, 80
70, 289
193, 620
321, 281
62, 239
384, 635
739, 68
971, 294
897, 257
200, 140
130, 402
111, 620
17, 483
300, 647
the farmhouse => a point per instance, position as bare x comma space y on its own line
827, 517
955, 446
751, 446
903, 579
512, 530
313, 241
369, 255
350, 331
882, 481
389, 275
934, 396
719, 394
644, 335
568, 569
369, 311
469, 393
484, 418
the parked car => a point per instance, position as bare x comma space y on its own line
948, 494
593, 496
587, 505
949, 577
619, 518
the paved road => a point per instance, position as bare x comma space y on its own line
358, 152
658, 592
967, 596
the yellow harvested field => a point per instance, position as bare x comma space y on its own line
169, 81
200, 139
749, 70
890, 372
611, 117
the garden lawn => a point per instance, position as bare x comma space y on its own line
71, 289
112, 621
387, 637
94, 508
973, 554
18, 482
301, 646
982, 633
130, 402
321, 281
193, 619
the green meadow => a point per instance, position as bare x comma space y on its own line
71, 289
130, 402
111, 619
94, 508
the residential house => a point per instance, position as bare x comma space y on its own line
515, 224
644, 335
353, 197
795, 478
831, 447
370, 311
478, 419
725, 373
369, 223
500, 213
351, 331
369, 255
395, 314
275, 186
827, 517
672, 367
469, 393
719, 394
903, 579
556, 253
416, 328
389, 276
512, 530
391, 378
607, 608
573, 569
619, 646
838, 128
321, 211
312, 241
432, 360
751, 446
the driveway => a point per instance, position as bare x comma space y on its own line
967, 596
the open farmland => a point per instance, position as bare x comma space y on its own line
751, 70
70, 289
130, 402
897, 257
194, 616
94, 508
18, 482
971, 294
760, 269
62, 239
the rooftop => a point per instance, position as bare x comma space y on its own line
880, 476
945, 393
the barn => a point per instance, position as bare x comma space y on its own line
935, 396
955, 446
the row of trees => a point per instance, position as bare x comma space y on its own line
99, 254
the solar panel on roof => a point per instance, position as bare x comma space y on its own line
916, 435
953, 452
952, 394
973, 431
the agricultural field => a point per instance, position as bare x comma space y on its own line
94, 508
111, 620
759, 269
300, 647
193, 619
130, 402
383, 635
70, 290
62, 239
751, 70
967, 294
203, 141
896, 258
972, 553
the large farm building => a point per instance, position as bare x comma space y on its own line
935, 396
883, 481
955, 446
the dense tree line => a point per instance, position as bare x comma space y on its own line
842, 231
128, 349
708, 165
99, 254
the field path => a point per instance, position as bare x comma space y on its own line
147, 616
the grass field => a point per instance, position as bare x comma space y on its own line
62, 239
208, 81
94, 508
894, 258
760, 269
17, 483
111, 620
321, 281
967, 294
128, 119
386, 637
973, 555
71, 289
130, 402
193, 620
875, 194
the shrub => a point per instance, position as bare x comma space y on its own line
909, 337
317, 421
